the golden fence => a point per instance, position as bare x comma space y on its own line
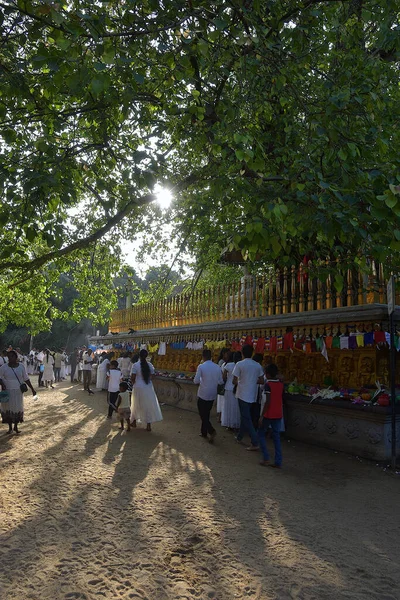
293, 290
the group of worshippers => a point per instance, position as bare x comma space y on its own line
16, 368
240, 381
130, 390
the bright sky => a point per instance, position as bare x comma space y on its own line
164, 199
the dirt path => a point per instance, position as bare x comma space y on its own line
86, 512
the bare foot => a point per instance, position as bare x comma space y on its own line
148, 428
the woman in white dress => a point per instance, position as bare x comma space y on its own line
48, 374
12, 375
63, 371
230, 416
102, 368
145, 406
223, 357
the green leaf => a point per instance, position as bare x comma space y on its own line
239, 154
390, 201
339, 282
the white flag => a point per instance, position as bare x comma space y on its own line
324, 351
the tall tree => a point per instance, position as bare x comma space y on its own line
274, 122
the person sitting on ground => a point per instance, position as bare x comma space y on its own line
123, 405
114, 380
271, 415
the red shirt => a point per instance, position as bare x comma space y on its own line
274, 410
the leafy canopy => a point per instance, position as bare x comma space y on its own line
273, 121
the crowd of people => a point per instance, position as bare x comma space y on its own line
249, 399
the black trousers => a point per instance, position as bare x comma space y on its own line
112, 398
73, 368
87, 376
204, 407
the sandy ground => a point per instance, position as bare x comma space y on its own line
86, 512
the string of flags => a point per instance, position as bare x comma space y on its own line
307, 343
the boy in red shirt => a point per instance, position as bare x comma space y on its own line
271, 415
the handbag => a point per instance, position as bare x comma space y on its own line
4, 396
221, 389
22, 386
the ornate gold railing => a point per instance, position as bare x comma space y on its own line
286, 291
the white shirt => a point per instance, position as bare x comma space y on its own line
247, 371
114, 380
136, 370
228, 367
208, 375
13, 376
104, 365
85, 356
3, 360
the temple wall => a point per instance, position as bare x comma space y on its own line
338, 425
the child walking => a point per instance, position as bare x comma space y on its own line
123, 405
114, 379
271, 415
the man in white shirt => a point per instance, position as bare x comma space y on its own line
87, 360
208, 375
247, 375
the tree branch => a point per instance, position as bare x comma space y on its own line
85, 242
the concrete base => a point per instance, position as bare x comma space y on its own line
176, 392
361, 430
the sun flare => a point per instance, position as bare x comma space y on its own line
164, 197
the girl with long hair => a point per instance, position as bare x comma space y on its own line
145, 406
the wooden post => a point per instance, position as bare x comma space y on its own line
349, 287
319, 294
263, 296
371, 291
293, 299
238, 286
278, 296
211, 302
256, 307
285, 291
360, 291
271, 302
310, 299
382, 287
243, 312
301, 288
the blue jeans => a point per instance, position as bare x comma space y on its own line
246, 422
276, 438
